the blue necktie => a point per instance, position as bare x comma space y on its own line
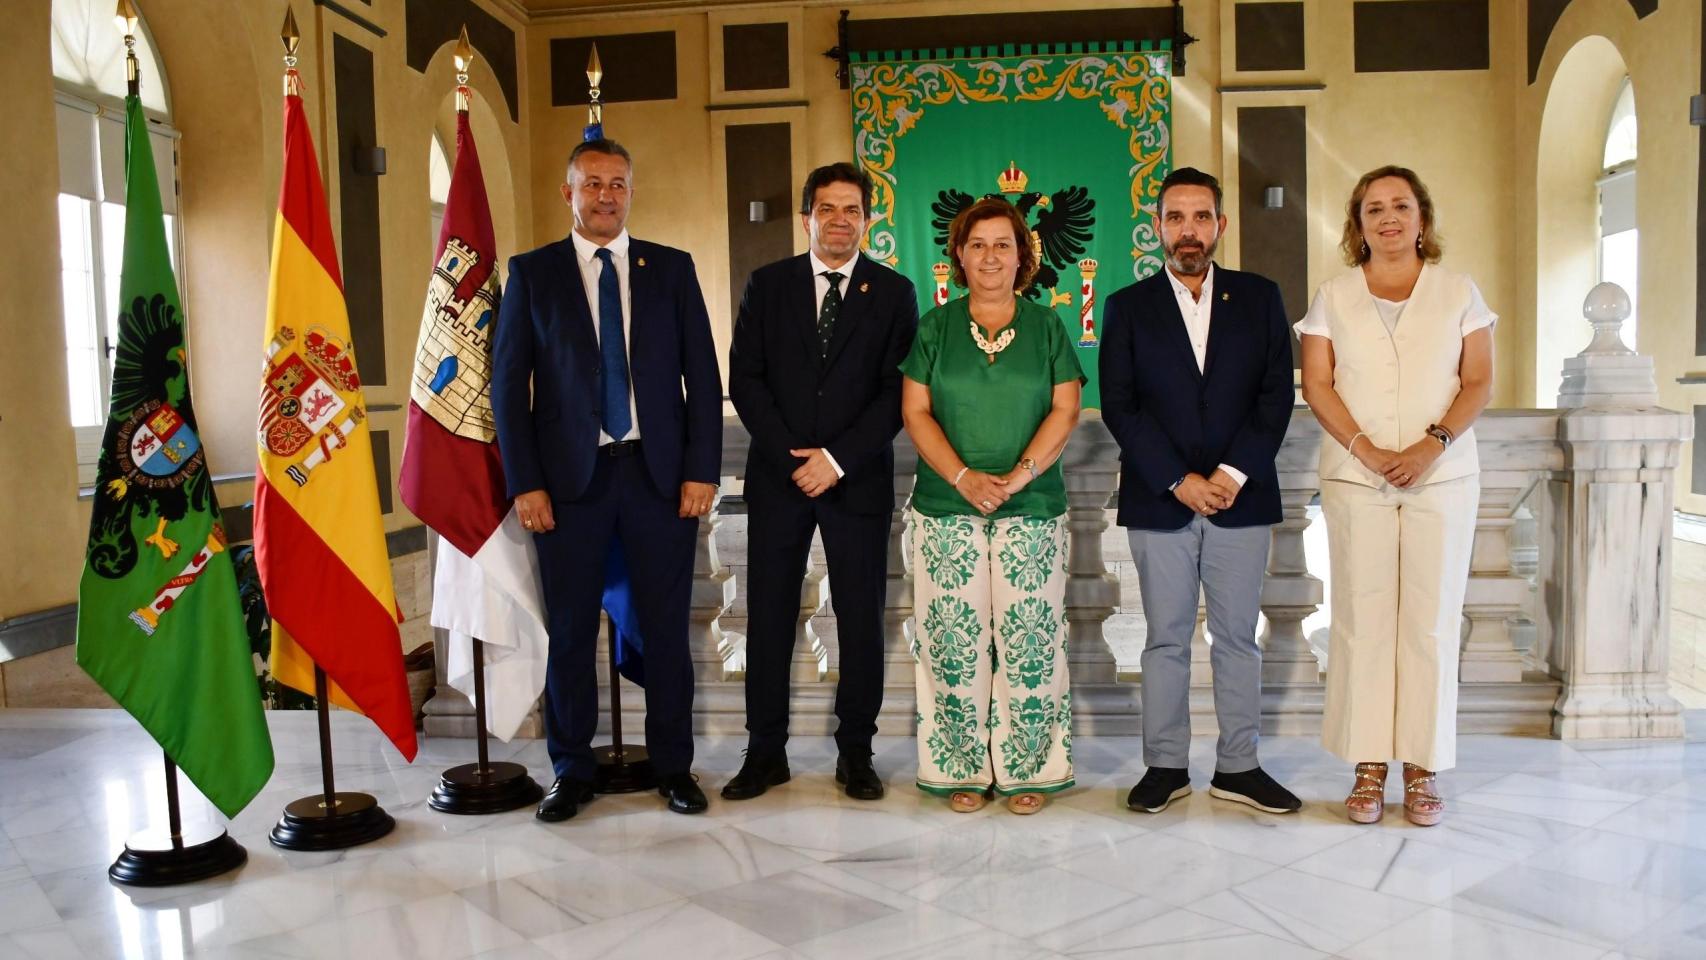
614, 355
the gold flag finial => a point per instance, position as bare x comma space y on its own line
125, 19
594, 69
464, 57
464, 54
594, 107
290, 37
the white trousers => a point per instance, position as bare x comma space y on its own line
1400, 565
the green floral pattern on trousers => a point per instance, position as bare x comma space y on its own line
994, 695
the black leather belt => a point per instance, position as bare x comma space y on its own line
621, 448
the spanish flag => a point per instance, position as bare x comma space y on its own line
319, 540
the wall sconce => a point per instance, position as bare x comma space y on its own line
1273, 198
757, 211
369, 161
1697, 110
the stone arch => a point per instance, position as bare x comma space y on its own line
1571, 146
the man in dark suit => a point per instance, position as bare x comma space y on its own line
1197, 389
814, 372
609, 418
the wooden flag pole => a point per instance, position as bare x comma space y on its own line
484, 787
329, 820
621, 768
158, 859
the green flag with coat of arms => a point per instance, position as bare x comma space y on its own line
159, 624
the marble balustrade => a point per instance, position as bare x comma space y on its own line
1594, 494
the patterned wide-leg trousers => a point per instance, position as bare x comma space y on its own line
994, 701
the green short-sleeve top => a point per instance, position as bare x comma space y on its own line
990, 411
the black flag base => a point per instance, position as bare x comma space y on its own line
467, 789
308, 824
622, 768
154, 859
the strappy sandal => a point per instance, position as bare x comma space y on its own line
966, 801
1025, 804
1422, 806
1367, 802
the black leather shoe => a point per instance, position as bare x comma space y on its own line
683, 793
1159, 787
564, 799
757, 774
859, 777
1255, 788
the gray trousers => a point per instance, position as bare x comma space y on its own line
1226, 564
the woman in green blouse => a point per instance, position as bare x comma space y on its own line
991, 394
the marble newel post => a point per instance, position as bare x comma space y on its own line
1290, 594
1609, 611
900, 689
1091, 465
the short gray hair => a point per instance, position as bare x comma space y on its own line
609, 148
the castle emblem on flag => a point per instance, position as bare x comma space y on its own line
453, 357
305, 398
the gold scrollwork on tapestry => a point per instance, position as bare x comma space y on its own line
890, 98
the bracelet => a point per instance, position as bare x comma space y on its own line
1350, 448
959, 476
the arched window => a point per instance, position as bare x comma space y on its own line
1618, 237
89, 90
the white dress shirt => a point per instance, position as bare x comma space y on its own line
820, 286
586, 254
1196, 309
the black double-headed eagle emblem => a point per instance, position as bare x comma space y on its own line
1061, 225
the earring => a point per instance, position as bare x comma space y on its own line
1418, 242
1365, 248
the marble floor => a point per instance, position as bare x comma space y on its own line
1549, 850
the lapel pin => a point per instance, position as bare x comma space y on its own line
1223, 296
865, 287
641, 261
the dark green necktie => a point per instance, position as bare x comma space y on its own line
827, 313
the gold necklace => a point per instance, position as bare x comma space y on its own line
991, 349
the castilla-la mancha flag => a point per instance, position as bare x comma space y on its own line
486, 584
319, 540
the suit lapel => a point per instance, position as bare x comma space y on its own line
577, 319
643, 293
1173, 321
1223, 314
802, 292
855, 303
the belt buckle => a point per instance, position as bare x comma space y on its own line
622, 448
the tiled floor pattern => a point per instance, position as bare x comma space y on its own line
1549, 850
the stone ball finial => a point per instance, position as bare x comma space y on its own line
1606, 308
1606, 302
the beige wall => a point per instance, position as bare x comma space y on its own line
1474, 136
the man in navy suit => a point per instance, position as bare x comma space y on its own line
1197, 389
609, 419
814, 371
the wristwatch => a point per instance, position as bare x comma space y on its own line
1175, 484
1441, 434
1031, 465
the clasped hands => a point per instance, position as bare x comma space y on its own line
1401, 468
986, 492
1207, 495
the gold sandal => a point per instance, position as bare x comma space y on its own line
1367, 802
1422, 806
1025, 804
965, 801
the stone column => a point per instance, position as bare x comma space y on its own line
1608, 605
713, 592
1290, 594
900, 690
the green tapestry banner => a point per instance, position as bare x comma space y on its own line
1076, 136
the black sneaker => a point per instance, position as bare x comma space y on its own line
1159, 787
1255, 788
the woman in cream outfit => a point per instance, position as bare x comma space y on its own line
1397, 364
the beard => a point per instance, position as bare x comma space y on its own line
1190, 258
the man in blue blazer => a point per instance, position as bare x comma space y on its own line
609, 418
1196, 367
